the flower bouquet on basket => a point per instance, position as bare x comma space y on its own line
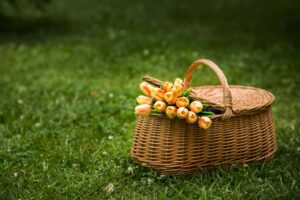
182, 129
172, 99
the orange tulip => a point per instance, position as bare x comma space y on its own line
143, 110
191, 118
170, 97
157, 94
144, 100
160, 106
182, 112
178, 89
146, 88
182, 102
204, 122
171, 112
196, 106
168, 86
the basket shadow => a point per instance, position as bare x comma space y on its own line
222, 169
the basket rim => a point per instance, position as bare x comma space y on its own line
252, 107
272, 99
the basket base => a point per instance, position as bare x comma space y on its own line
175, 147
268, 158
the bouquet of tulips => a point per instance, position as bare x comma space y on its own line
173, 100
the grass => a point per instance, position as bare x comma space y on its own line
69, 78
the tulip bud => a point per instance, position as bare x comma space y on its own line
160, 106
204, 122
196, 106
191, 118
157, 94
178, 89
144, 100
143, 110
168, 86
146, 88
179, 81
171, 112
182, 102
182, 112
170, 97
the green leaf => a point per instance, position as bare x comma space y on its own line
154, 112
205, 106
187, 93
206, 113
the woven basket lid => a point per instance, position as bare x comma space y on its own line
245, 100
232, 100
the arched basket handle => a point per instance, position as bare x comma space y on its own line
227, 98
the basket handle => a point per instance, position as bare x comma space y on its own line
227, 98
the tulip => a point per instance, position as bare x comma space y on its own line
143, 110
204, 122
168, 86
178, 81
182, 112
178, 89
170, 97
191, 118
182, 102
144, 100
160, 106
146, 88
157, 94
171, 112
196, 106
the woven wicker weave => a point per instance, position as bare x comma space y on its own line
245, 131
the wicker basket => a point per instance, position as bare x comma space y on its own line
245, 131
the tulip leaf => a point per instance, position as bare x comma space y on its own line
206, 113
154, 112
205, 106
187, 93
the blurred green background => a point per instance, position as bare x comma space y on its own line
69, 75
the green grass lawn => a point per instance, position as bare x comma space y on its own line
69, 79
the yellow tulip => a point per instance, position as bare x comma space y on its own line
143, 110
171, 112
146, 88
204, 122
178, 89
157, 94
168, 86
182, 102
191, 118
170, 97
178, 81
196, 106
182, 112
144, 100
160, 106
